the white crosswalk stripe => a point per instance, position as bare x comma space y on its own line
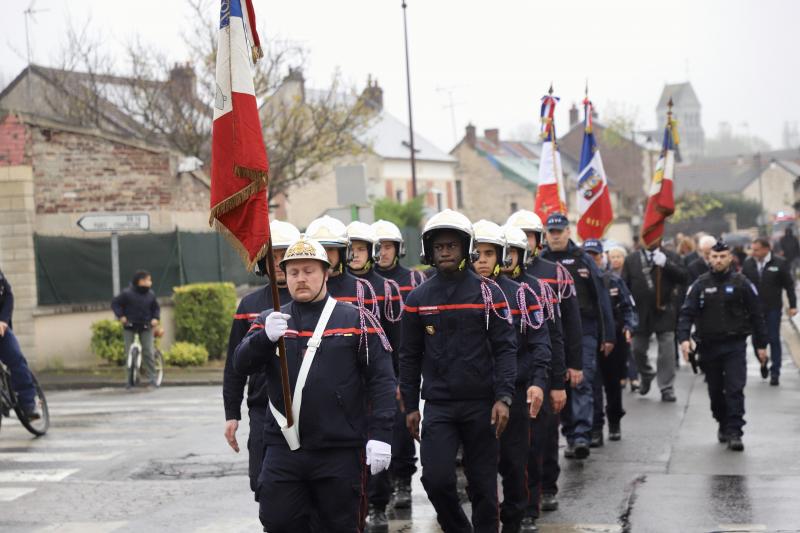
35, 475
58, 457
9, 494
82, 527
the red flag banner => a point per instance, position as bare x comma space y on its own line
239, 165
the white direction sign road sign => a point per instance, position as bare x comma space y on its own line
115, 222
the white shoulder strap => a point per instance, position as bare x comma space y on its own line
292, 434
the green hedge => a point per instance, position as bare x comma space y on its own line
107, 341
186, 354
203, 314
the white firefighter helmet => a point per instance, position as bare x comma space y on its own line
488, 232
516, 238
386, 231
282, 233
305, 247
447, 219
328, 231
360, 231
526, 221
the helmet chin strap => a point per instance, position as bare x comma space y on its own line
322, 286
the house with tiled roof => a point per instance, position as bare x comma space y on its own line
494, 176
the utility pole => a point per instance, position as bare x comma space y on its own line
410, 114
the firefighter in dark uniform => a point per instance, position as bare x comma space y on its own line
342, 285
597, 323
458, 337
612, 367
343, 401
233, 383
533, 368
723, 306
543, 468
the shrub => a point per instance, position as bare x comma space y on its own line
186, 354
107, 341
203, 314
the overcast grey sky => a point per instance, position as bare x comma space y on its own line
497, 57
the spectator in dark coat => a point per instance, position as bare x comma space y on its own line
137, 309
657, 314
791, 249
771, 275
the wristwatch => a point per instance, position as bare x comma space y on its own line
506, 400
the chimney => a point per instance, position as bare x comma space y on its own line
573, 115
183, 81
295, 77
493, 135
373, 94
470, 135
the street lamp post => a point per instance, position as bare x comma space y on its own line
410, 115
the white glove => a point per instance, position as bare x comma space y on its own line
276, 325
379, 455
659, 258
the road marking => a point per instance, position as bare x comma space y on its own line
580, 528
55, 442
83, 527
34, 456
9, 494
741, 528
231, 526
25, 476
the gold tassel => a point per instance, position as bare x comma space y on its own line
258, 53
250, 173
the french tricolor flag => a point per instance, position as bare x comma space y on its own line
239, 162
594, 199
550, 192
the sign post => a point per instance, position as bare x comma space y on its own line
114, 222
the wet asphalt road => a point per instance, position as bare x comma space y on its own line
157, 461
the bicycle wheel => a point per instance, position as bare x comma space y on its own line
39, 426
133, 366
158, 365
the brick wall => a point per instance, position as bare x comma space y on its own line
12, 141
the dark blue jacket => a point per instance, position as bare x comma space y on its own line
622, 302
6, 301
597, 297
139, 307
558, 367
569, 312
533, 346
233, 383
447, 342
349, 396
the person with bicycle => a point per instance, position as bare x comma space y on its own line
11, 355
137, 309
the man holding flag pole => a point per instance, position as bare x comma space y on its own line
652, 275
321, 471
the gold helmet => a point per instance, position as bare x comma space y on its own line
305, 247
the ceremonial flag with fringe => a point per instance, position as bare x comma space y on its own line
593, 197
239, 164
661, 202
550, 192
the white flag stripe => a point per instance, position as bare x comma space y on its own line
35, 475
234, 67
9, 494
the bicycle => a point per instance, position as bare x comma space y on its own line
9, 401
134, 361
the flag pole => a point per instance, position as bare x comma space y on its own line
552, 132
658, 268
276, 305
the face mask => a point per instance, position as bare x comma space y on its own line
141, 289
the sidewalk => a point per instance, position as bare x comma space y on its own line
95, 378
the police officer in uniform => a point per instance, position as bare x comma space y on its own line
389, 249
233, 383
613, 367
723, 306
457, 335
543, 467
597, 324
343, 386
533, 367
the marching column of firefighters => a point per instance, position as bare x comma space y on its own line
510, 333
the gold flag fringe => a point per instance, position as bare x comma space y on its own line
235, 200
239, 247
250, 173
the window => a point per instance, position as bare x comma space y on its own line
399, 196
439, 199
459, 195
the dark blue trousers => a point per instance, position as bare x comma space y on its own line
329, 483
21, 377
725, 366
403, 466
446, 426
543, 468
256, 446
773, 319
514, 448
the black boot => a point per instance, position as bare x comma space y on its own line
735, 443
528, 525
614, 431
548, 502
402, 494
376, 520
597, 438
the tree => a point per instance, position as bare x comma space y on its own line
407, 215
706, 212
